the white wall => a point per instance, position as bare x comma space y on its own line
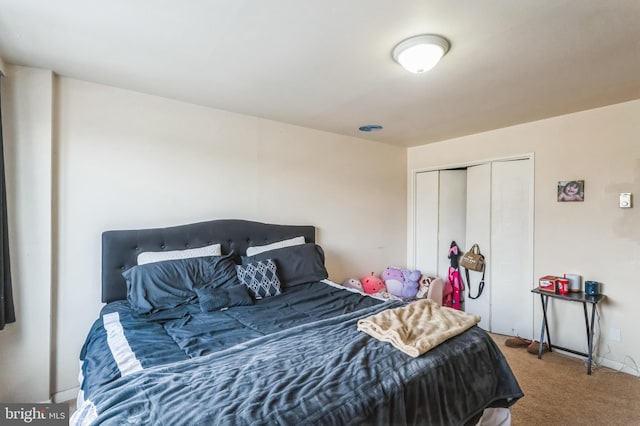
103, 158
25, 345
595, 238
128, 160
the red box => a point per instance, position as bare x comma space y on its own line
549, 283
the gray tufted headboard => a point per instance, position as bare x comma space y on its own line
120, 248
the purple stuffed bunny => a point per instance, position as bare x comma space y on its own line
394, 280
411, 278
401, 282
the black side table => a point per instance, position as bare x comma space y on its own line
570, 297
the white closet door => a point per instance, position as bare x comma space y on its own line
479, 232
453, 215
511, 256
426, 222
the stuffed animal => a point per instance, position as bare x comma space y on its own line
411, 279
393, 280
423, 285
352, 283
372, 284
401, 282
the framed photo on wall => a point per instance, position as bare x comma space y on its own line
570, 190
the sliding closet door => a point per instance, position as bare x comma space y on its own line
426, 222
479, 232
452, 213
511, 248
440, 217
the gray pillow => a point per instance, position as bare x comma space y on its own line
214, 299
167, 284
296, 264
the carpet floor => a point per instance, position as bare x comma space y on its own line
558, 391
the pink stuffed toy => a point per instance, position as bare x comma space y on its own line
372, 284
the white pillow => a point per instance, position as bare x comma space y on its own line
296, 241
158, 256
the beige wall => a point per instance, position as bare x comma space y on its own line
25, 345
128, 160
595, 238
121, 159
83, 158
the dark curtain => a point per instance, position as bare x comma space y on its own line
7, 313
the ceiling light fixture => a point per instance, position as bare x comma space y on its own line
420, 53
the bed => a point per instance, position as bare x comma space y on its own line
204, 353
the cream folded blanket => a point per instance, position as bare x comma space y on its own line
418, 326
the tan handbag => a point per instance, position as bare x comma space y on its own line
473, 259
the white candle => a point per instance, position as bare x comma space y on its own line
575, 282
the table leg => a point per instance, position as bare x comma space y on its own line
586, 318
590, 335
545, 325
546, 321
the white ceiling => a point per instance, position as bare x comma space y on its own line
326, 64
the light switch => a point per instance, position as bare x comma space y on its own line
625, 200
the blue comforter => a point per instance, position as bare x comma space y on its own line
292, 359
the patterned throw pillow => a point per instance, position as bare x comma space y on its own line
260, 277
